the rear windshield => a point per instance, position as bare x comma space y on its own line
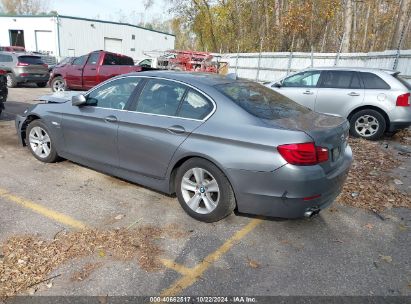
261, 101
31, 59
404, 81
113, 59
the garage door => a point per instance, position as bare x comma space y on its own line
113, 45
44, 41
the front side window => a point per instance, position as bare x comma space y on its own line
114, 94
195, 106
308, 79
261, 101
80, 60
341, 80
372, 81
161, 97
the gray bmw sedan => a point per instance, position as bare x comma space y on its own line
218, 143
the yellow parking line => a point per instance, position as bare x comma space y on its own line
176, 267
194, 274
54, 215
69, 221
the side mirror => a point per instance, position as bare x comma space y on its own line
78, 100
277, 85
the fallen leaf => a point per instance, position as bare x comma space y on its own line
398, 182
101, 254
120, 216
49, 285
403, 227
386, 258
369, 226
253, 264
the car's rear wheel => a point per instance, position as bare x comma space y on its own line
368, 124
40, 143
204, 191
11, 80
58, 84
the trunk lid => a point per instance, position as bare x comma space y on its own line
32, 65
326, 131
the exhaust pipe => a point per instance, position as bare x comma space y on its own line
310, 213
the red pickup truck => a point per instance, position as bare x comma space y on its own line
83, 73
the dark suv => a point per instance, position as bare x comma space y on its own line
3, 90
21, 67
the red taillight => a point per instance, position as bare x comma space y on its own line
305, 154
22, 64
2, 72
403, 100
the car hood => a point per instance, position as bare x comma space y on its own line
59, 97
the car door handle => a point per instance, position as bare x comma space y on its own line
308, 92
176, 129
353, 94
110, 118
93, 69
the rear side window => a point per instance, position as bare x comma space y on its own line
161, 97
30, 59
261, 101
195, 106
340, 80
113, 59
372, 81
93, 58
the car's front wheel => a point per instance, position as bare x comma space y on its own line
40, 143
204, 191
368, 124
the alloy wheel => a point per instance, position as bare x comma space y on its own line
58, 86
366, 125
40, 142
200, 190
9, 80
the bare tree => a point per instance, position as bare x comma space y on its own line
348, 16
25, 7
401, 24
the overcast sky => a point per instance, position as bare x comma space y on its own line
133, 11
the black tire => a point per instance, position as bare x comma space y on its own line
372, 115
53, 156
226, 201
11, 81
42, 84
55, 80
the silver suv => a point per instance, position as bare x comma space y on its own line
21, 67
374, 101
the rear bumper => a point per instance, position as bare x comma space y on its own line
34, 79
400, 118
281, 193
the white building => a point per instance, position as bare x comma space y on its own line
63, 36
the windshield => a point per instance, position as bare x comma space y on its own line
261, 101
31, 59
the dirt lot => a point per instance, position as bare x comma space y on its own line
69, 230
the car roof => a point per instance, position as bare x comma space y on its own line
18, 54
354, 69
191, 78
